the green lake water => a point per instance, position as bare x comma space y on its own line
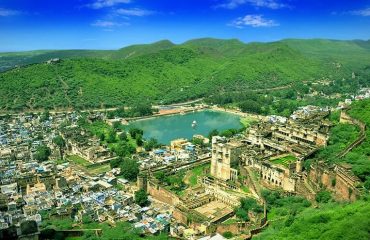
167, 128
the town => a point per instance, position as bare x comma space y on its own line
84, 168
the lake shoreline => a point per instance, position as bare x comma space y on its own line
175, 126
187, 111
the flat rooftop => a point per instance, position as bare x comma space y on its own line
214, 210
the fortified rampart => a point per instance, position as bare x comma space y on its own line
345, 118
161, 194
337, 178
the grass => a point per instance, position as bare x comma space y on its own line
96, 170
247, 121
245, 189
122, 230
285, 161
78, 160
329, 221
230, 221
198, 171
61, 161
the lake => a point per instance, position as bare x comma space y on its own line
168, 128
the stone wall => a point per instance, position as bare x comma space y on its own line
180, 216
235, 228
161, 194
340, 182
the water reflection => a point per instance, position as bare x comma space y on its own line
168, 128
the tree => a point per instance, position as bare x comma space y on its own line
61, 143
141, 109
250, 106
151, 144
43, 153
139, 140
45, 116
161, 176
102, 137
197, 141
367, 183
86, 219
115, 163
111, 136
228, 235
123, 137
116, 125
141, 198
227, 133
323, 196
135, 131
129, 169
212, 133
124, 149
242, 214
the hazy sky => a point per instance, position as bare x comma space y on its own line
112, 24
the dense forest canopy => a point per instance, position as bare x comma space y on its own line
164, 72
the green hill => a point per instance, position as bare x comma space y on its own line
350, 53
138, 50
13, 59
163, 72
329, 221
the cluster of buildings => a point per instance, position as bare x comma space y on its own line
363, 93
270, 154
38, 191
276, 149
180, 151
44, 191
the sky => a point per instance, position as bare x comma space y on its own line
112, 24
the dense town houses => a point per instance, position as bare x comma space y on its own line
42, 178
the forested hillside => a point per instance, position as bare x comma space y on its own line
164, 72
328, 221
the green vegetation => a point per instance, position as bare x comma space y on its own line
174, 183
281, 207
323, 196
98, 169
245, 189
342, 135
141, 198
329, 221
138, 109
247, 121
246, 205
285, 161
359, 157
122, 230
78, 160
43, 153
61, 143
231, 221
195, 173
228, 235
164, 73
129, 167
122, 145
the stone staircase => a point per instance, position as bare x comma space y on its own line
254, 183
305, 189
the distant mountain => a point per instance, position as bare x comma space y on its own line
228, 47
349, 52
13, 59
163, 72
138, 50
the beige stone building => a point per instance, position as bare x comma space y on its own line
225, 158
